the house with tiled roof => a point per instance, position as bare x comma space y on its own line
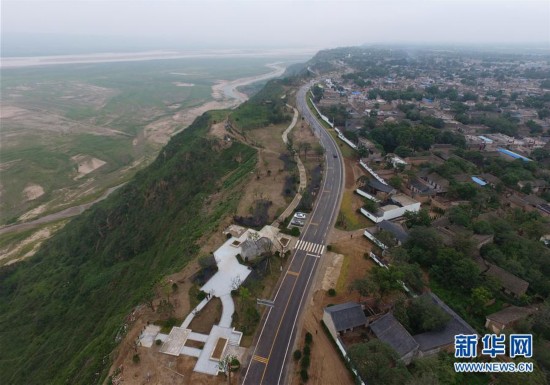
389, 330
510, 283
343, 317
507, 318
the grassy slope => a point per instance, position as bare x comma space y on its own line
60, 311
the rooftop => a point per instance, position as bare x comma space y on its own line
377, 185
511, 314
346, 315
395, 229
403, 200
508, 280
389, 330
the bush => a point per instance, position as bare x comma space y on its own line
136, 359
309, 338
297, 354
240, 259
307, 351
304, 363
303, 375
201, 295
158, 342
331, 292
295, 232
329, 247
235, 364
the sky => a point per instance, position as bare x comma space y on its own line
161, 24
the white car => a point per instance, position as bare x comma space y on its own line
300, 215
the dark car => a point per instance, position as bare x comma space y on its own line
334, 156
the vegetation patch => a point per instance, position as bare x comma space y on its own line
108, 260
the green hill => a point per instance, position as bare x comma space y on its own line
61, 310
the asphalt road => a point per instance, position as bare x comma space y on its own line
274, 345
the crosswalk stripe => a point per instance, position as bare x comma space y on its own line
260, 359
310, 247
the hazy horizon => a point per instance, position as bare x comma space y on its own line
70, 27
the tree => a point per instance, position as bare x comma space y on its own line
386, 238
306, 148
378, 363
433, 370
479, 298
534, 127
420, 218
425, 316
364, 287
396, 181
371, 206
423, 245
225, 364
165, 308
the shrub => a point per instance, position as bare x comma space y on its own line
295, 232
304, 363
136, 359
240, 259
307, 351
331, 292
158, 342
309, 338
297, 354
235, 364
201, 295
329, 247
303, 375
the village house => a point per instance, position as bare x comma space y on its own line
396, 206
507, 318
388, 329
343, 317
510, 284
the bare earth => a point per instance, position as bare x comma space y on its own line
32, 191
86, 164
28, 247
225, 96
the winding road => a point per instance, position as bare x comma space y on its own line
278, 331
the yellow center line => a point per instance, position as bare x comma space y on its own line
293, 273
281, 321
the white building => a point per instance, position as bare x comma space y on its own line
400, 204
